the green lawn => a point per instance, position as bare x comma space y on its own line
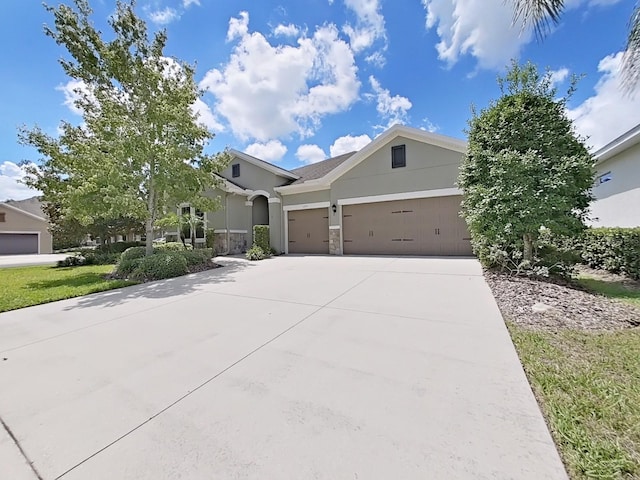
26, 286
611, 289
588, 386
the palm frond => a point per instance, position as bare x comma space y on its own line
631, 58
541, 14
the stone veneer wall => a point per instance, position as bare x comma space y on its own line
334, 241
238, 243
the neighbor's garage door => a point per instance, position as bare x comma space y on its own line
18, 243
309, 231
425, 226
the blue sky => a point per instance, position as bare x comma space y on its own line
295, 82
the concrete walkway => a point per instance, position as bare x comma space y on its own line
290, 368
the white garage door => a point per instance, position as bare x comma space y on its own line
18, 243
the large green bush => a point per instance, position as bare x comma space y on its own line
159, 266
261, 237
117, 247
197, 257
172, 247
133, 252
613, 249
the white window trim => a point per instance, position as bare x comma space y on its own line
440, 192
306, 206
24, 233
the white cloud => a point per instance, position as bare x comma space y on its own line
369, 28
188, 3
484, 29
271, 151
310, 153
481, 28
609, 113
429, 126
286, 30
11, 189
206, 117
73, 91
268, 91
559, 76
164, 16
391, 109
348, 144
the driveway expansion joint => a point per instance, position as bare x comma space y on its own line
22, 452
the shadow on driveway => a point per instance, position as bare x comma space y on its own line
171, 287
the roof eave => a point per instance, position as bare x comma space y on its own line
264, 165
620, 144
28, 214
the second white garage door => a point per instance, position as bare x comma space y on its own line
424, 226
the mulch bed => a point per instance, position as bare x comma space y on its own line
570, 306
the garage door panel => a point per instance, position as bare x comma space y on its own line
309, 231
18, 243
426, 226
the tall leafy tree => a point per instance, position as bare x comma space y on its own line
140, 148
525, 170
541, 14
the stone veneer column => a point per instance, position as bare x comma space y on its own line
334, 240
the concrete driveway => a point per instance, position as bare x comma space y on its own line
27, 260
290, 368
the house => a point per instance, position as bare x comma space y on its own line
617, 185
395, 196
24, 228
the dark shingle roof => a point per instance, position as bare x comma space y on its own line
319, 169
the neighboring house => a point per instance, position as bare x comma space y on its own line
395, 196
617, 185
24, 228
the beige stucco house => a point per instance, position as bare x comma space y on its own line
23, 230
617, 186
395, 196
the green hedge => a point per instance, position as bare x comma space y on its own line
159, 266
614, 249
261, 237
172, 247
117, 247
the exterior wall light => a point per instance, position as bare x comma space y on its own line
334, 208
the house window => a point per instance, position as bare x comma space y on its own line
200, 225
235, 170
186, 210
604, 178
2, 220
398, 157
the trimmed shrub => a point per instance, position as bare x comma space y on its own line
613, 249
159, 266
261, 237
133, 252
197, 257
171, 247
126, 267
117, 247
210, 238
256, 253
98, 258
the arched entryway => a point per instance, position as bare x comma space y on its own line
260, 211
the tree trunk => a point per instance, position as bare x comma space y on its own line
528, 247
150, 218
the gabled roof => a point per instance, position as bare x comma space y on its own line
416, 134
623, 142
32, 205
23, 212
262, 164
319, 169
